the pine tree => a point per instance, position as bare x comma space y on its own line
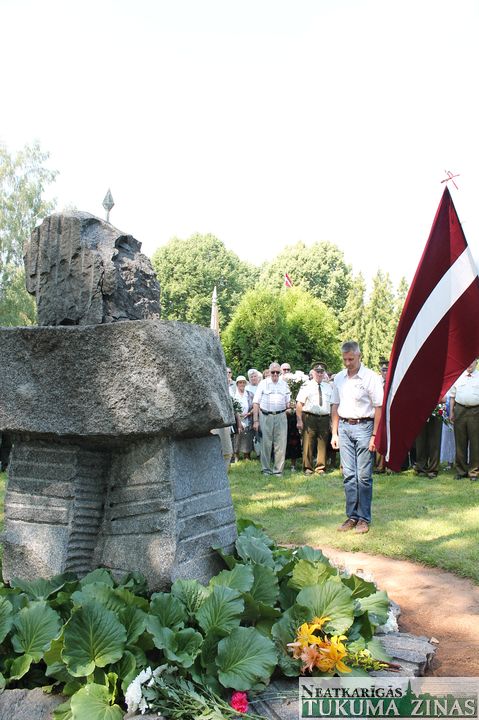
379, 325
352, 316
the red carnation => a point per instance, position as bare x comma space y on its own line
239, 702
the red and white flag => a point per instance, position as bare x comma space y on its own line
437, 335
287, 281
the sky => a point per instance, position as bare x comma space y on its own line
263, 122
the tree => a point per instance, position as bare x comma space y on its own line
401, 294
379, 325
319, 268
17, 307
281, 325
188, 270
23, 179
352, 316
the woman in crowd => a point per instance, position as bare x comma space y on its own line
243, 440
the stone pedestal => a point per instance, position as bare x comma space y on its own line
113, 463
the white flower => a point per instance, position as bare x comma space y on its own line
133, 696
143, 706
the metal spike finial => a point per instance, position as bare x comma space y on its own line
108, 203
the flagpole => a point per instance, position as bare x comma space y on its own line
214, 321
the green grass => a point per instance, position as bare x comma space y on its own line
434, 522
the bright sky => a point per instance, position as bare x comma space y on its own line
263, 122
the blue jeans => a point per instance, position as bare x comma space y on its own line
357, 462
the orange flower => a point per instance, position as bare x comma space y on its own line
309, 656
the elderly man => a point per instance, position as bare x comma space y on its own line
313, 420
270, 403
356, 405
464, 413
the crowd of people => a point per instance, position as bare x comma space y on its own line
307, 418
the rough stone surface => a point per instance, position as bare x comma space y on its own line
28, 705
122, 379
84, 271
412, 649
155, 505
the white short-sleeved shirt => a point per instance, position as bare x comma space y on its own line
271, 396
465, 391
309, 396
357, 397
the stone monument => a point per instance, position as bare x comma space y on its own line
110, 411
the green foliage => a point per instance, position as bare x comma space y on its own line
352, 315
93, 639
276, 324
17, 307
319, 269
188, 270
23, 179
378, 324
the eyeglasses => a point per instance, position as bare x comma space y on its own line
318, 370
286, 369
275, 372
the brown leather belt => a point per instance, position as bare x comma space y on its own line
356, 421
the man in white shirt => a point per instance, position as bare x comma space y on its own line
464, 413
313, 408
270, 403
356, 405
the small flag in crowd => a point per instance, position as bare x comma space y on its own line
437, 335
287, 281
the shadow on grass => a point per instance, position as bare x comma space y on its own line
430, 521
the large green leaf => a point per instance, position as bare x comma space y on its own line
169, 611
191, 593
239, 578
92, 637
6, 618
53, 658
255, 611
312, 555
92, 702
333, 600
221, 611
180, 647
252, 550
265, 588
248, 528
359, 586
99, 575
134, 621
284, 632
245, 658
306, 574
41, 589
377, 606
126, 669
99, 592
63, 711
20, 666
36, 625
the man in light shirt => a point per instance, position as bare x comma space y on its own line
356, 405
464, 413
313, 420
270, 403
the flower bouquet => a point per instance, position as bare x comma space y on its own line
441, 412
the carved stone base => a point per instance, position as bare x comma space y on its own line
156, 506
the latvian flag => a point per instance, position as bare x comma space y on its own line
437, 335
287, 281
